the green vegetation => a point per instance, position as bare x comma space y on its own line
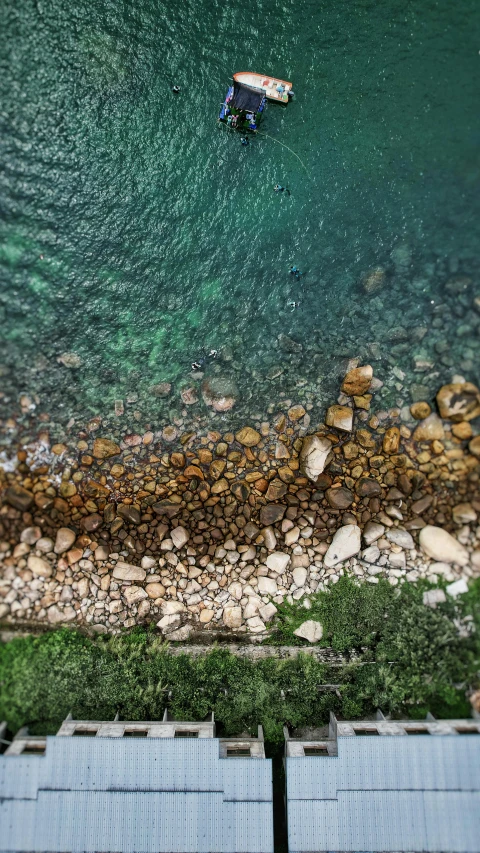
408, 659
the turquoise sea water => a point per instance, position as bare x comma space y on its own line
137, 234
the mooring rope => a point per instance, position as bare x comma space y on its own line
262, 133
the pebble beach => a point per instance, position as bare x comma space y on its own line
206, 534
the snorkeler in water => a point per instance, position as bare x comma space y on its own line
296, 272
279, 189
200, 364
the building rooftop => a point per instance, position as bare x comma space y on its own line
391, 792
130, 794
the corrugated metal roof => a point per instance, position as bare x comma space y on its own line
124, 764
135, 796
387, 793
239, 783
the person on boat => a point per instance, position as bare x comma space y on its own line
279, 189
280, 88
244, 140
176, 90
234, 121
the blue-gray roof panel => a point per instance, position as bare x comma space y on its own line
97, 795
387, 793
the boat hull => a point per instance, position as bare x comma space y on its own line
264, 83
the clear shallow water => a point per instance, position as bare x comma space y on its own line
161, 236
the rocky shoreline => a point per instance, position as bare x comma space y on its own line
111, 531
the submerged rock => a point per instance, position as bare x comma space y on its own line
430, 429
103, 448
420, 410
374, 280
220, 393
70, 360
459, 401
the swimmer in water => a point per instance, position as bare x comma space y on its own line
200, 364
292, 304
244, 140
296, 272
279, 189
176, 90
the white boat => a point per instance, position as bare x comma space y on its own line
275, 89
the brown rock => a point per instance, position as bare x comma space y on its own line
129, 513
429, 429
296, 412
167, 507
92, 522
276, 490
459, 401
220, 486
193, 471
340, 498
281, 451
271, 513
366, 488
420, 411
463, 430
350, 450
286, 474
391, 440
323, 482
340, 417
357, 381
248, 436
103, 448
363, 401
177, 459
217, 468
241, 490
365, 439
18, 497
74, 555
474, 446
